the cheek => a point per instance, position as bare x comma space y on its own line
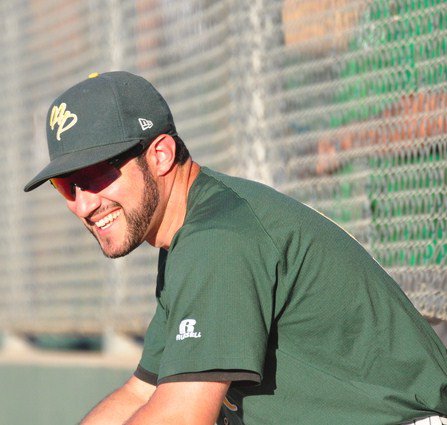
127, 189
122, 191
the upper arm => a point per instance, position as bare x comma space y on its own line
139, 388
214, 310
220, 299
183, 403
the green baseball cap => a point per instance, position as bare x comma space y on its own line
99, 118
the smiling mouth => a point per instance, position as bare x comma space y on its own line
107, 221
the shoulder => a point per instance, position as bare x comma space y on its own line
221, 233
218, 210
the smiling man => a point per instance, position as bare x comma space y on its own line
122, 223
268, 313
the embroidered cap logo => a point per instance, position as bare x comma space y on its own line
59, 116
145, 124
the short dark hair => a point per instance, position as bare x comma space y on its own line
181, 151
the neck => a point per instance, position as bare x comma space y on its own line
173, 211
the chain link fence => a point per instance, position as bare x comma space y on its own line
339, 103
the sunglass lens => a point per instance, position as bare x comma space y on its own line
65, 187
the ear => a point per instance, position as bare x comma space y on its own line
162, 154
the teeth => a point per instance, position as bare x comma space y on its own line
107, 220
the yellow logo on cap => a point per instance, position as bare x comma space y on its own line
59, 116
93, 75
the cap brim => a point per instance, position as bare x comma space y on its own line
76, 160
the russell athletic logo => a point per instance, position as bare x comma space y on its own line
186, 330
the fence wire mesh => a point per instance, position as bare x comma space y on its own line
339, 103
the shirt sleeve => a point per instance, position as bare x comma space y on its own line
154, 343
219, 300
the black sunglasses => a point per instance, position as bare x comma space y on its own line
105, 173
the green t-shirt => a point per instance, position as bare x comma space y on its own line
262, 290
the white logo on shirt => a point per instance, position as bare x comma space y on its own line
186, 330
145, 124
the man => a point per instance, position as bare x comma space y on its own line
268, 312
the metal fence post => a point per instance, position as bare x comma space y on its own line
14, 125
252, 72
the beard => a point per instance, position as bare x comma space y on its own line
138, 219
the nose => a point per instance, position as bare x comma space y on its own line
85, 202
